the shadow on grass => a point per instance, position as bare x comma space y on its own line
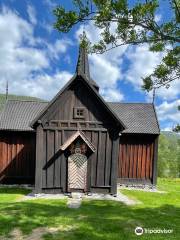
94, 220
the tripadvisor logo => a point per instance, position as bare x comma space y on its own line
139, 230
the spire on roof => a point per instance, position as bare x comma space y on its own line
7, 90
83, 62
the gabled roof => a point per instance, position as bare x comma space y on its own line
17, 114
3, 99
74, 137
85, 81
131, 117
138, 117
82, 74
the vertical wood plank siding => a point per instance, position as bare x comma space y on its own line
99, 163
17, 157
76, 96
154, 175
96, 125
39, 157
136, 158
114, 163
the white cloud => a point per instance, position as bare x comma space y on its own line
168, 111
43, 86
17, 43
103, 71
92, 33
25, 58
158, 17
14, 30
107, 71
47, 26
112, 95
18, 56
60, 46
170, 93
142, 63
32, 14
167, 129
50, 3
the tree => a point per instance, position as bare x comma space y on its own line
177, 127
134, 24
169, 156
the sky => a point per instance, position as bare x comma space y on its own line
37, 60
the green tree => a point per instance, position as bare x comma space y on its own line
162, 156
177, 127
134, 24
169, 156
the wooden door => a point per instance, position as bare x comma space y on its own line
77, 172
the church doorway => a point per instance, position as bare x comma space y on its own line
77, 171
78, 150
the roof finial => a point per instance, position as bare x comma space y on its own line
84, 42
154, 94
7, 90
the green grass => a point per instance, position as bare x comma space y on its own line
16, 97
103, 220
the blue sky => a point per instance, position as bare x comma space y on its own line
37, 60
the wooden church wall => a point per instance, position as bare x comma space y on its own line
58, 124
17, 157
55, 167
137, 158
76, 96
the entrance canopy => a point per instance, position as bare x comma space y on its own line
73, 137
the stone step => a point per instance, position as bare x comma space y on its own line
77, 195
74, 203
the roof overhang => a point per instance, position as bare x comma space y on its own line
73, 137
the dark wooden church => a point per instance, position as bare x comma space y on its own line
78, 142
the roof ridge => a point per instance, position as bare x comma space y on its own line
154, 108
24, 100
130, 103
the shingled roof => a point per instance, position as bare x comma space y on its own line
17, 114
138, 117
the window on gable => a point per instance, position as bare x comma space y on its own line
79, 112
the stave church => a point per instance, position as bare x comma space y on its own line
78, 141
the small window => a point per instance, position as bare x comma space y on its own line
79, 112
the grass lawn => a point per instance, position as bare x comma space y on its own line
103, 220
